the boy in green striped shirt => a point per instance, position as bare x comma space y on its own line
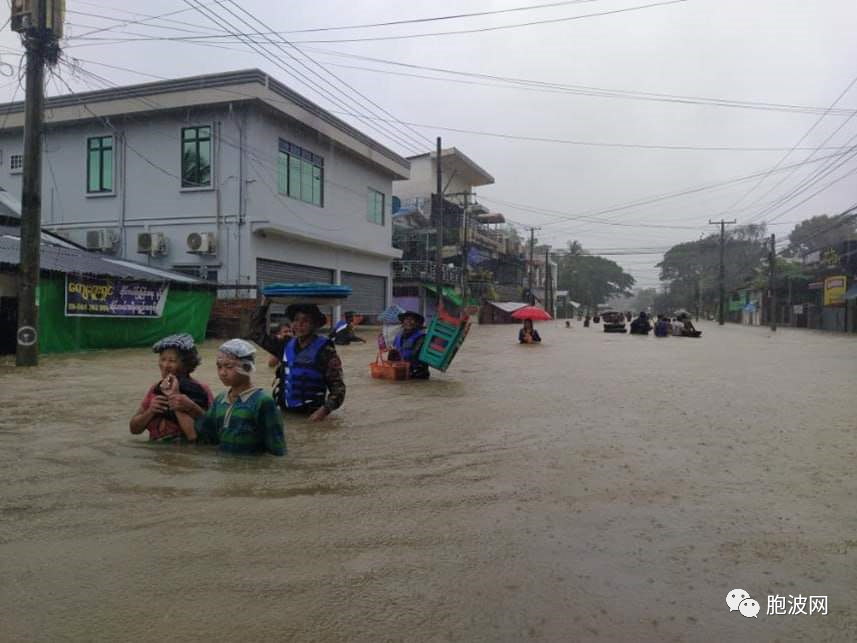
244, 419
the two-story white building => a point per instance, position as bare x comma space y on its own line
232, 177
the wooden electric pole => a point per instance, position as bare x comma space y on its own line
532, 297
772, 285
439, 228
721, 318
40, 24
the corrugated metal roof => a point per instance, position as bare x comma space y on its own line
508, 306
68, 259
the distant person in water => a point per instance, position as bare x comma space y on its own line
641, 325
662, 327
689, 330
528, 334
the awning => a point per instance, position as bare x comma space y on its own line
851, 293
448, 293
508, 306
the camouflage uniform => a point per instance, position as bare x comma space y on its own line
328, 360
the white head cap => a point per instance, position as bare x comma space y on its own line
243, 351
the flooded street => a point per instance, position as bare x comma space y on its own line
597, 487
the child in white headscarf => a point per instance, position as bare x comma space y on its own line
244, 419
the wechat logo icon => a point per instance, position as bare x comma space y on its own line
740, 600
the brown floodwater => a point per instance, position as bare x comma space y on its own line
596, 487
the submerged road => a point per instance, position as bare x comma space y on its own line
595, 488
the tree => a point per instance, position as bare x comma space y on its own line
820, 232
692, 268
591, 279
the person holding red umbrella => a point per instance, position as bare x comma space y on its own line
528, 334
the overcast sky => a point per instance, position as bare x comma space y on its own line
784, 52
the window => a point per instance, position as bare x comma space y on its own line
300, 174
196, 157
375, 207
16, 163
99, 164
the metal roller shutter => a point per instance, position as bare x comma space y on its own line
368, 293
269, 271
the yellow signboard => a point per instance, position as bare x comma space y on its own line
834, 290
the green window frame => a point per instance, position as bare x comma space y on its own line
375, 207
196, 157
99, 164
300, 174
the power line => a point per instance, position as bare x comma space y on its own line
550, 87
588, 90
800, 140
335, 77
386, 132
438, 18
427, 35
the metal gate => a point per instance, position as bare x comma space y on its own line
368, 293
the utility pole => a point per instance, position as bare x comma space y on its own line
439, 227
772, 286
40, 25
464, 250
721, 319
548, 283
532, 247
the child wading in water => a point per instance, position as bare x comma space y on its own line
243, 419
171, 405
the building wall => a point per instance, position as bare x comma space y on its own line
347, 179
423, 182
242, 200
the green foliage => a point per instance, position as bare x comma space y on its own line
591, 279
820, 232
692, 269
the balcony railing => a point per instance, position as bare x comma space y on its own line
425, 271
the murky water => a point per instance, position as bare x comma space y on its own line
597, 487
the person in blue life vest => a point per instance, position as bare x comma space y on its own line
343, 333
310, 380
409, 342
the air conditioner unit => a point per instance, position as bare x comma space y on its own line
152, 243
201, 243
103, 239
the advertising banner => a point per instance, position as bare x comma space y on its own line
834, 290
87, 296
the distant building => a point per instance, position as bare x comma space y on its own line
485, 252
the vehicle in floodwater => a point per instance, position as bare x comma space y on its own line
614, 322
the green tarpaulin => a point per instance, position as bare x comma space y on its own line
186, 311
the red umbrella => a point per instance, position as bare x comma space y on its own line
532, 312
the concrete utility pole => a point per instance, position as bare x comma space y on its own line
772, 286
40, 24
722, 304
